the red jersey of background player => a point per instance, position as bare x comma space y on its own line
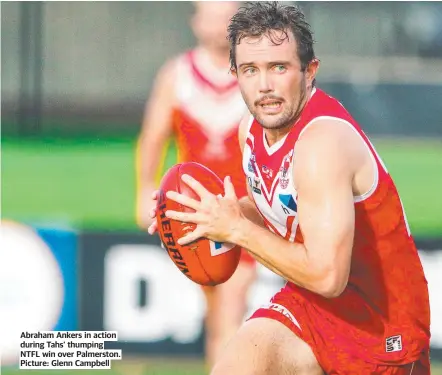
383, 315
206, 118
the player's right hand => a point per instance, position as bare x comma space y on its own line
153, 227
146, 206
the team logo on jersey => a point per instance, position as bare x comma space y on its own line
256, 187
254, 184
251, 164
284, 170
267, 172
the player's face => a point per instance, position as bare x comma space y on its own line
211, 20
271, 81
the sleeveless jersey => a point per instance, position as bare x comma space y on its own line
206, 118
383, 314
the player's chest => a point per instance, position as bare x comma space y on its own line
271, 182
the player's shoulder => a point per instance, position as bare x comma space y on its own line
327, 122
325, 129
328, 144
169, 67
324, 97
325, 105
330, 140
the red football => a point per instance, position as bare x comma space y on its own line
205, 262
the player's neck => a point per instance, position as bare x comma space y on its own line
275, 135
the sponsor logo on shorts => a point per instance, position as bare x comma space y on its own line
393, 344
284, 311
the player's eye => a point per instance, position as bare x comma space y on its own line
279, 68
250, 70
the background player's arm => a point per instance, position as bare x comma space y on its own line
155, 131
323, 172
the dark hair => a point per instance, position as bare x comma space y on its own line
261, 18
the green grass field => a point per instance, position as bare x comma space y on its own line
90, 184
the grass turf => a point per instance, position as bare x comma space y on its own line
90, 183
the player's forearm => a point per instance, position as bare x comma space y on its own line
289, 260
249, 210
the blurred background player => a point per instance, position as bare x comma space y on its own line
198, 101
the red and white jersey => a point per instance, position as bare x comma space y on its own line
208, 110
387, 295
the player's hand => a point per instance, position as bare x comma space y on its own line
147, 210
216, 217
153, 227
146, 202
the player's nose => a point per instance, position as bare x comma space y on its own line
265, 85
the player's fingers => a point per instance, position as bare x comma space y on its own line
155, 195
153, 227
184, 200
196, 186
153, 212
229, 189
190, 237
186, 217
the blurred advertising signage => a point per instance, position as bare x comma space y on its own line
130, 285
37, 283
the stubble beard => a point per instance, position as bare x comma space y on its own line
286, 119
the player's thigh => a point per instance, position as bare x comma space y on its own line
264, 346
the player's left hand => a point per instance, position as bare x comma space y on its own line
216, 217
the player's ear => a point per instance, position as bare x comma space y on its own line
233, 72
311, 70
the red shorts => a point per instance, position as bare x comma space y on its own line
332, 359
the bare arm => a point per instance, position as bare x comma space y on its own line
249, 210
155, 131
323, 177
